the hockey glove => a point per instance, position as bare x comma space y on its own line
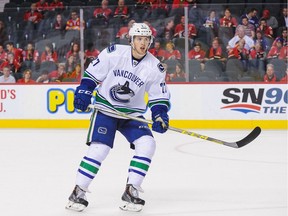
82, 97
160, 118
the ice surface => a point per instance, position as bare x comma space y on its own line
187, 177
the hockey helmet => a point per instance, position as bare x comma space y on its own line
140, 29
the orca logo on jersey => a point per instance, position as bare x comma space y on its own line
121, 93
161, 67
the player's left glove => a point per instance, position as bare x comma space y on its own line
160, 118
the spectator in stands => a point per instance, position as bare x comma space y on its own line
166, 33
42, 6
285, 78
283, 18
197, 52
27, 74
265, 28
59, 23
239, 52
75, 75
3, 33
123, 31
240, 34
49, 54
178, 75
13, 64
31, 57
274, 52
157, 51
44, 77
59, 74
252, 17
212, 22
171, 52
70, 65
33, 18
30, 54
179, 31
17, 52
75, 52
257, 52
270, 75
159, 9
248, 28
74, 22
101, 15
57, 6
257, 57
259, 38
270, 20
215, 52
7, 77
122, 11
3, 54
283, 35
227, 20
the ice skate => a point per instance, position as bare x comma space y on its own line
77, 200
131, 199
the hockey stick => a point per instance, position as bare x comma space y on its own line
246, 140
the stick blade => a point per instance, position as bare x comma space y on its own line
249, 138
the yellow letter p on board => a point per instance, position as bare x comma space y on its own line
56, 98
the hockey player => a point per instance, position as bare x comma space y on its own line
122, 74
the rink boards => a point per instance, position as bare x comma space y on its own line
211, 106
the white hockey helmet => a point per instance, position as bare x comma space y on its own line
140, 29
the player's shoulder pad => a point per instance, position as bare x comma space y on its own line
111, 48
161, 67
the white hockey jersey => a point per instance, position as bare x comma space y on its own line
123, 82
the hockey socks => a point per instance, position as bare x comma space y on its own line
90, 164
139, 165
137, 170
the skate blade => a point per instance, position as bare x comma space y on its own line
131, 207
75, 206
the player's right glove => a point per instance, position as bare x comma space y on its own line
160, 118
82, 98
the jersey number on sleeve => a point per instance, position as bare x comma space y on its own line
95, 61
163, 86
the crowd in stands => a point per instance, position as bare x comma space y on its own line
40, 39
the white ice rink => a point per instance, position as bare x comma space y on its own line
187, 177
